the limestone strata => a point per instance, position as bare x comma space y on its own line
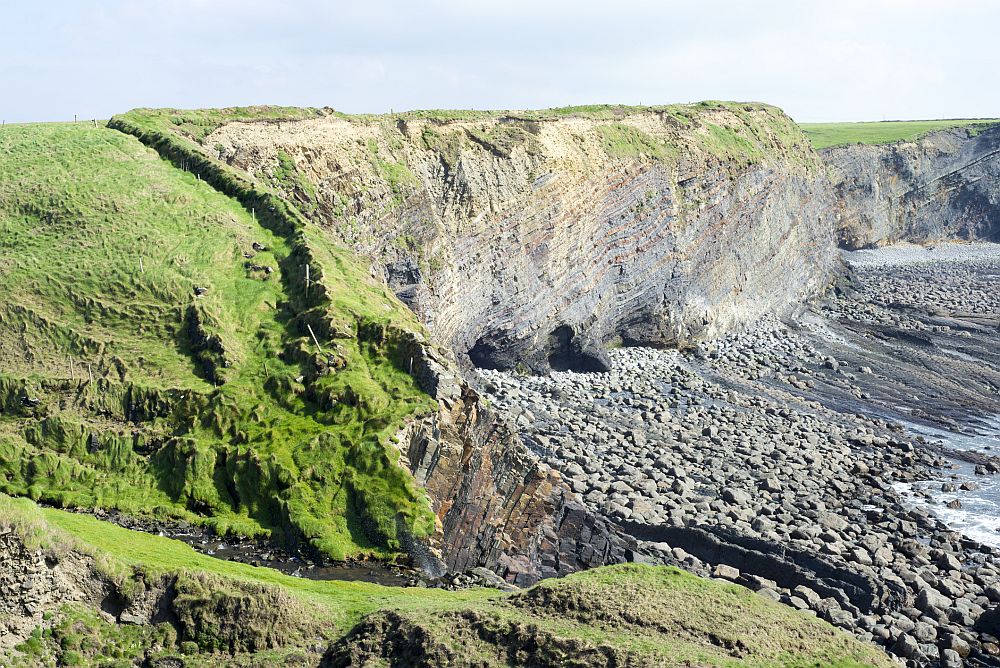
497, 504
944, 185
538, 238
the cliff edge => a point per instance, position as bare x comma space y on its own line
538, 238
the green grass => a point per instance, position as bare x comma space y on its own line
640, 614
123, 550
294, 186
824, 135
623, 141
217, 409
730, 143
199, 123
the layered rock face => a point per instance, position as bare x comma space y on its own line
535, 240
538, 239
33, 583
497, 504
944, 185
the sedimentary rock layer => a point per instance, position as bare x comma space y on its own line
497, 504
536, 239
944, 185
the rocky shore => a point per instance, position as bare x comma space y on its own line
770, 457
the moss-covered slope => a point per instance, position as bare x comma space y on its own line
160, 353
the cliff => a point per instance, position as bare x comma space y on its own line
944, 185
495, 505
538, 238
533, 238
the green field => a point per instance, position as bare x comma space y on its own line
121, 387
640, 614
824, 135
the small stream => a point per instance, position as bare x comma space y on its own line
261, 553
249, 552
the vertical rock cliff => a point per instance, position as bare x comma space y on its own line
538, 238
497, 504
943, 185
533, 240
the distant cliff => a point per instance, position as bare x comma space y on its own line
538, 238
945, 185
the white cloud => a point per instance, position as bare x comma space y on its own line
851, 60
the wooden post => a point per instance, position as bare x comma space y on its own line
307, 281
91, 372
313, 335
74, 118
95, 122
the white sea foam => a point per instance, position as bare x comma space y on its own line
978, 516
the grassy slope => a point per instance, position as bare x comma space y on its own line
628, 614
824, 135
655, 616
344, 602
207, 388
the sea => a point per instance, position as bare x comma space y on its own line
978, 514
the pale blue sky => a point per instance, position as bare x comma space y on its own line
842, 60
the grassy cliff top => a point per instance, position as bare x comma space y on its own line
639, 615
199, 123
745, 131
825, 135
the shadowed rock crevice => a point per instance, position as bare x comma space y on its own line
567, 353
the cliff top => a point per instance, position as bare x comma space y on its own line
826, 135
199, 123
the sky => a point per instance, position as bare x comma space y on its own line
842, 60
